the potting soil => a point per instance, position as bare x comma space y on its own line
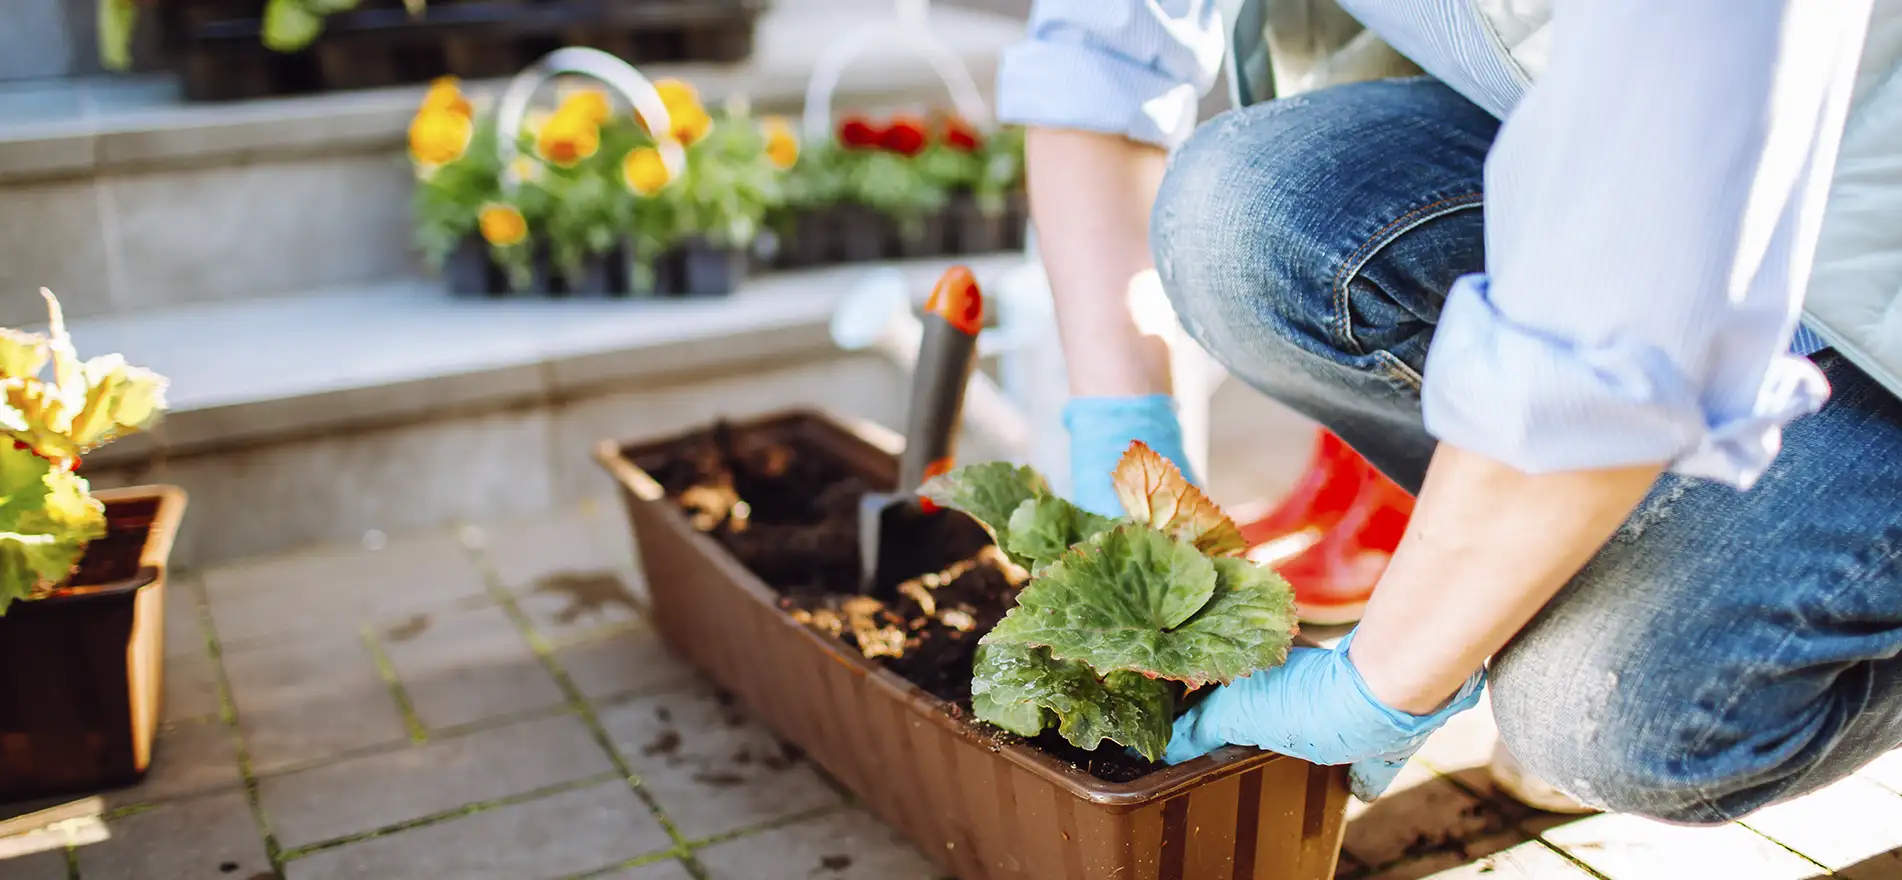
789, 513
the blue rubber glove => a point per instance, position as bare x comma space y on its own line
1315, 707
1100, 431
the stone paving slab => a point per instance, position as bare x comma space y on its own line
847, 845
184, 623
459, 666
213, 836
652, 871
556, 836
187, 758
309, 697
1853, 828
48, 865
365, 794
1421, 813
191, 687
1631, 848
340, 587
711, 768
592, 537
628, 663
1885, 771
1465, 853
1527, 861
569, 606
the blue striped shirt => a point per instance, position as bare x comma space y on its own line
1652, 207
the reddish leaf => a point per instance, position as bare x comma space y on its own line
1155, 493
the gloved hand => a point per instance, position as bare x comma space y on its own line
1100, 431
1315, 707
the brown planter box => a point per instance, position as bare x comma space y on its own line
81, 671
983, 804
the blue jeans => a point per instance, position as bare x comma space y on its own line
1725, 650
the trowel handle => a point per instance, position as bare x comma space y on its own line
948, 350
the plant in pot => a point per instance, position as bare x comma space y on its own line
574, 160
82, 575
694, 234
287, 25
865, 195
983, 177
1001, 709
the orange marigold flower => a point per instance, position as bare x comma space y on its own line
567, 138
590, 104
445, 93
677, 93
782, 145
439, 137
644, 172
502, 225
690, 124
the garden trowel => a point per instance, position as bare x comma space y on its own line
897, 529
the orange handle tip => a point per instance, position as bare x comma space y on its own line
956, 299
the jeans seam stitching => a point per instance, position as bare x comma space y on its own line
1360, 256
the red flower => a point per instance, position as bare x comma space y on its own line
905, 136
960, 136
857, 133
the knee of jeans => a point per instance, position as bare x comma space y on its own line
1596, 731
1233, 243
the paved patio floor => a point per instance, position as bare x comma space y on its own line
489, 702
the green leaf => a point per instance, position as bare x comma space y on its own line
989, 492
117, 19
46, 519
289, 25
1043, 528
1135, 599
1022, 689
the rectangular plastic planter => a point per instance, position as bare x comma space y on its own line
81, 671
985, 806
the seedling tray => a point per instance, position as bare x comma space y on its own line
695, 269
217, 48
983, 803
851, 233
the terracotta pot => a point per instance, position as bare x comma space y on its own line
985, 805
81, 671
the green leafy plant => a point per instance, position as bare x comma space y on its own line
1115, 609
287, 26
47, 512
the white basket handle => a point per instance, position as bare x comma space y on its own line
907, 30
610, 71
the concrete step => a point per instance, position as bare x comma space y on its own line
328, 415
124, 199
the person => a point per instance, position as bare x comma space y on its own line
1547, 268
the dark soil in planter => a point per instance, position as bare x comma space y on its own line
790, 514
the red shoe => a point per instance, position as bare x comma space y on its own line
1327, 489
1333, 558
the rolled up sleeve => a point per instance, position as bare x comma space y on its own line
1652, 208
1129, 67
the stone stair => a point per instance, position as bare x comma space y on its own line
324, 389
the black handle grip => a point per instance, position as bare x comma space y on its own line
946, 355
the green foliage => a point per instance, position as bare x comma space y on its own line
1115, 609
117, 20
47, 517
447, 197
47, 514
1024, 690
